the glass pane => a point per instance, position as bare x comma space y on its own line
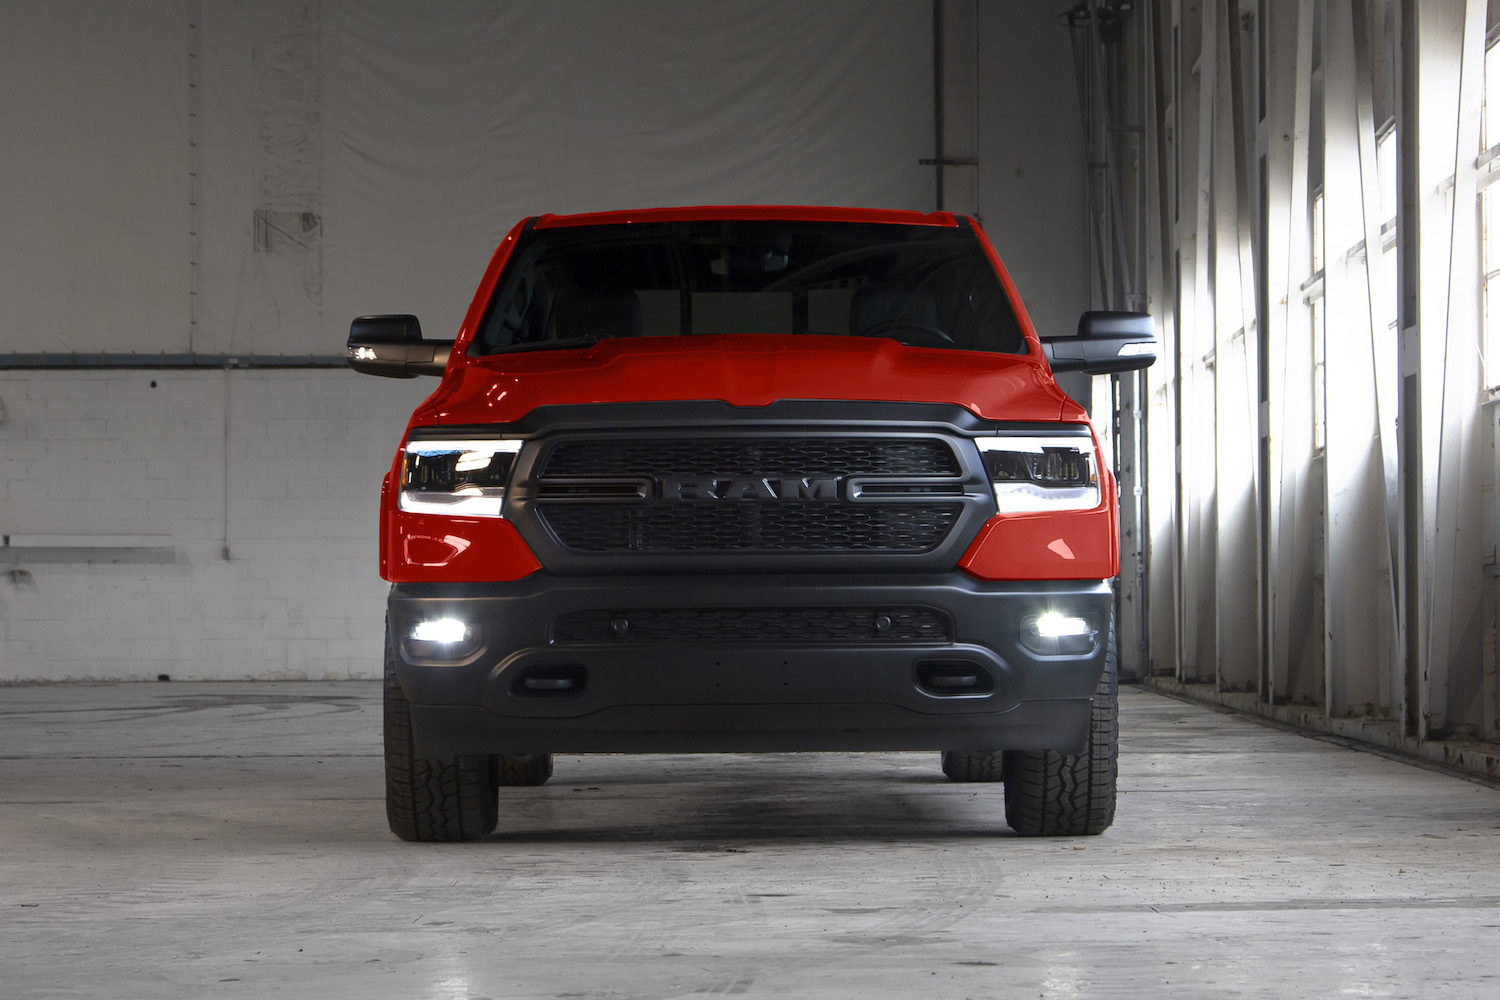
924, 286
1320, 381
1489, 202
1317, 232
1385, 166
1491, 121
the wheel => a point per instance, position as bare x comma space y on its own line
985, 765
433, 799
1049, 794
525, 768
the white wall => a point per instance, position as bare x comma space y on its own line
1031, 185
384, 150
142, 453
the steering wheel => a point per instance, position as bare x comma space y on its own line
888, 327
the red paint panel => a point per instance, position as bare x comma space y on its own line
774, 213
432, 548
385, 548
747, 370
1071, 411
1071, 545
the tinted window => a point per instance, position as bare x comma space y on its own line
921, 285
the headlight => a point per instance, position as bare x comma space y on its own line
459, 477
1041, 473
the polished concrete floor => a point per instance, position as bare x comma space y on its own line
228, 840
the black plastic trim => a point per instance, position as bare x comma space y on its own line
643, 697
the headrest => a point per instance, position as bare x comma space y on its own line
881, 305
609, 315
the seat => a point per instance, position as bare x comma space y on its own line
583, 315
887, 308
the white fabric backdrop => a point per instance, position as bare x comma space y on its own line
364, 156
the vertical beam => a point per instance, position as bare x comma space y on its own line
939, 147
1161, 289
1294, 639
1198, 32
955, 125
1409, 415
1358, 616
1450, 40
1236, 562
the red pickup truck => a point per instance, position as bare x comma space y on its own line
748, 479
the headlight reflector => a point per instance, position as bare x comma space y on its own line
1041, 473
458, 477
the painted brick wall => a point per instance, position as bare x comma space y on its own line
144, 453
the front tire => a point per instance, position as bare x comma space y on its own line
1050, 794
433, 799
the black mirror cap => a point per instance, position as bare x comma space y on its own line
392, 346
1108, 343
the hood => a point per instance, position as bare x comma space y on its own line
746, 370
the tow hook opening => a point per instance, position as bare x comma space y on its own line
954, 679
562, 681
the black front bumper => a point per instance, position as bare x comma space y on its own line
531, 687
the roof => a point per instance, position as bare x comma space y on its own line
709, 213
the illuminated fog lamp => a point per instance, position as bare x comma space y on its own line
441, 639
1057, 634
1054, 626
440, 630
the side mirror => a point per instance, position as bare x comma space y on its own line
393, 346
1107, 343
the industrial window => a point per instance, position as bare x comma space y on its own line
1489, 209
1383, 311
1313, 295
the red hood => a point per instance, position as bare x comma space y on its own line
746, 370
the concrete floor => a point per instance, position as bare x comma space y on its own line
228, 840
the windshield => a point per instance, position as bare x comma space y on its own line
924, 286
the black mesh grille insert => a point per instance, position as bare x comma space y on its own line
753, 457
750, 527
753, 626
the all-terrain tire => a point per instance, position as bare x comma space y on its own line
1050, 794
984, 765
525, 768
433, 799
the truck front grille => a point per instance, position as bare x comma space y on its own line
753, 456
845, 488
783, 527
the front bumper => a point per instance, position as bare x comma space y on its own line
531, 683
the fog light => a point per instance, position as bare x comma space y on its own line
1054, 626
1056, 634
441, 639
440, 630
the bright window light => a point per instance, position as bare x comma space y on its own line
440, 630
